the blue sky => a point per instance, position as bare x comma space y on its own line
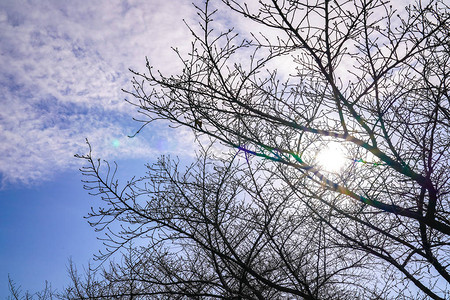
62, 67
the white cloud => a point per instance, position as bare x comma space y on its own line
62, 67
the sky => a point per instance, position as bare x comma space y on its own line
62, 67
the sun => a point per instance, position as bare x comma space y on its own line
332, 157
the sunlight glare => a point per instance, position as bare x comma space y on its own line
332, 157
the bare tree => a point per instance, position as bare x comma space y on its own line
263, 219
16, 293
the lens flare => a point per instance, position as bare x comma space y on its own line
115, 143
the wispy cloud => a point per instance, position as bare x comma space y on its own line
62, 65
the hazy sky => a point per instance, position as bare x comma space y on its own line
62, 67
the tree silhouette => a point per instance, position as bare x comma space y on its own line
256, 217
